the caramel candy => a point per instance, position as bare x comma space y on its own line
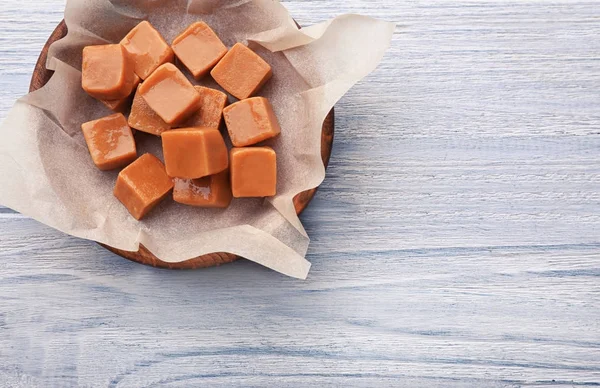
142, 185
144, 119
107, 72
251, 121
209, 110
241, 72
147, 48
110, 141
194, 152
199, 49
124, 103
170, 94
210, 191
253, 172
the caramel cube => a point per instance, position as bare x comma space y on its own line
199, 49
124, 103
144, 119
210, 109
194, 152
253, 172
147, 48
170, 94
110, 141
251, 121
107, 72
210, 191
241, 72
142, 185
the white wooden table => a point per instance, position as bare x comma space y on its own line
455, 241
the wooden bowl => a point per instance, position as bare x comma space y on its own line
40, 77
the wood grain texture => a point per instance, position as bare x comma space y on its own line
41, 76
455, 241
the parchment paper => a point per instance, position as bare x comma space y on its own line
45, 167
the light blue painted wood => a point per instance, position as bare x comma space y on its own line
455, 241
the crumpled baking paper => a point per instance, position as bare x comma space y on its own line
46, 171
